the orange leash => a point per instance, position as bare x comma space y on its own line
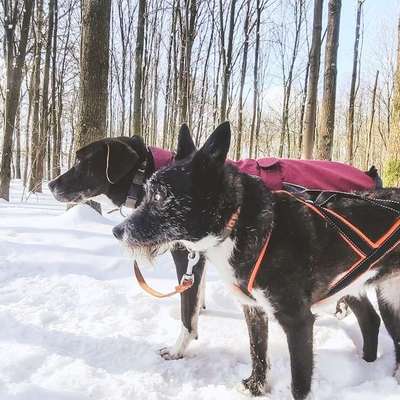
182, 287
188, 278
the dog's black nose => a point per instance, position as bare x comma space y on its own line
118, 231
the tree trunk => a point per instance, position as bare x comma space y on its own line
371, 122
314, 60
55, 159
329, 96
44, 115
303, 109
189, 26
35, 184
137, 99
246, 32
14, 65
167, 106
28, 127
287, 85
255, 78
226, 55
93, 71
352, 98
204, 87
18, 144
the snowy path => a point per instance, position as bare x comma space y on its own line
75, 326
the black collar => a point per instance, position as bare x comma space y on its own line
135, 191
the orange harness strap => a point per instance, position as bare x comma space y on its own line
376, 250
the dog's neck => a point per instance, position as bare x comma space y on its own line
256, 212
255, 202
119, 191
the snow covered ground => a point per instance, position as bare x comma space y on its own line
74, 325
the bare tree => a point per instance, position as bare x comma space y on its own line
35, 183
259, 8
298, 7
312, 95
188, 29
137, 102
14, 64
350, 122
392, 166
55, 156
371, 122
44, 115
246, 34
93, 71
329, 96
226, 54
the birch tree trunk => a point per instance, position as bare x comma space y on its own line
35, 185
352, 98
314, 60
371, 123
246, 32
329, 96
44, 115
255, 78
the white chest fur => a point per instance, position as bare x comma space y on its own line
219, 254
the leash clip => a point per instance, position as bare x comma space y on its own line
193, 259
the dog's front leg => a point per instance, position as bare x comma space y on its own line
257, 325
299, 332
191, 301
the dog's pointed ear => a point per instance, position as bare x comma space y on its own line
120, 159
185, 143
209, 160
217, 145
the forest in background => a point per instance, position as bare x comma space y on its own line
76, 71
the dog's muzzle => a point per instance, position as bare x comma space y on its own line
118, 231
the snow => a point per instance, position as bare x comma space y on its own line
75, 325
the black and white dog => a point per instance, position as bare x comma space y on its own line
277, 251
116, 168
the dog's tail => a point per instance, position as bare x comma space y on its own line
373, 173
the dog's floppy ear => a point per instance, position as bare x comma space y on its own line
137, 144
185, 143
120, 159
217, 145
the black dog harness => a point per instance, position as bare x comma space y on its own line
369, 252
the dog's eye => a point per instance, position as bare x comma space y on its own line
158, 197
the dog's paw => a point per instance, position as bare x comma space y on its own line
254, 385
170, 353
342, 309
